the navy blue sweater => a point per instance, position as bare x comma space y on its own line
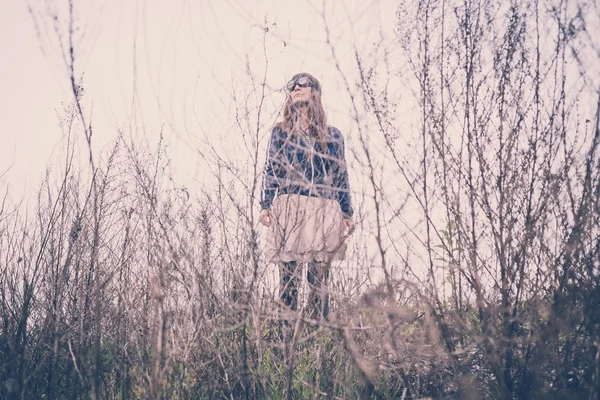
297, 165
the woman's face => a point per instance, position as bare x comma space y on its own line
300, 94
300, 89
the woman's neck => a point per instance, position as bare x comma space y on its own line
303, 121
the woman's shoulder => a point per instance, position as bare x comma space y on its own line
279, 130
334, 134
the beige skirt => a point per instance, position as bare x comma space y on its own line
305, 228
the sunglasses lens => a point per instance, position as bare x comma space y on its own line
303, 82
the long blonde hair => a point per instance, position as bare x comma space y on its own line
314, 109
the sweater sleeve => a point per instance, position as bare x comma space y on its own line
340, 178
273, 172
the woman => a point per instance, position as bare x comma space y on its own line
305, 196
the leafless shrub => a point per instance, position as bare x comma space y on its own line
474, 272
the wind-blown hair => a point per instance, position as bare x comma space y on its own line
315, 111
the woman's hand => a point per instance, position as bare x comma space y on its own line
349, 226
266, 218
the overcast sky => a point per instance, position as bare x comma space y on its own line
183, 59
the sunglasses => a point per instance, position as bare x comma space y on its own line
303, 81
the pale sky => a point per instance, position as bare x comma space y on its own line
29, 93
188, 57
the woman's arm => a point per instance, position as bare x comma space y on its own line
273, 172
340, 177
